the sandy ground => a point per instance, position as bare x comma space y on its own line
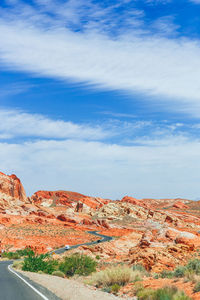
68, 289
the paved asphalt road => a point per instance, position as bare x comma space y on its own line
13, 288
104, 238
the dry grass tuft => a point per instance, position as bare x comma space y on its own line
17, 264
120, 275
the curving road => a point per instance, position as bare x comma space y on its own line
104, 238
13, 288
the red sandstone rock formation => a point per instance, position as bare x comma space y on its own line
66, 198
87, 222
79, 207
185, 241
156, 233
102, 223
64, 218
10, 186
180, 205
135, 201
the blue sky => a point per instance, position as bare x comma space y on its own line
101, 97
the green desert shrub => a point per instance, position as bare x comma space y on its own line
138, 267
10, 255
166, 274
35, 263
194, 266
120, 275
78, 264
106, 289
145, 294
166, 293
180, 295
115, 288
155, 276
25, 252
58, 273
17, 254
141, 269
196, 288
180, 272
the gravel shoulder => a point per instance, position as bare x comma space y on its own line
67, 289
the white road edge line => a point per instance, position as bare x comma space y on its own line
32, 287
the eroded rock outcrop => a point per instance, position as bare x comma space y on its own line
158, 233
11, 188
74, 200
180, 205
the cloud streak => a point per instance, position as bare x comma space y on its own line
21, 125
151, 65
106, 170
15, 124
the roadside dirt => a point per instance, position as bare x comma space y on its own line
69, 289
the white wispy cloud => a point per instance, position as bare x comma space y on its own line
195, 1
117, 114
16, 124
20, 124
165, 26
150, 160
14, 89
170, 169
148, 64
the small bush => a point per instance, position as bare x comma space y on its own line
141, 269
120, 275
196, 288
17, 264
138, 287
98, 257
194, 265
137, 278
166, 274
35, 263
17, 254
106, 289
179, 272
10, 255
166, 293
155, 276
58, 273
25, 252
181, 296
145, 294
191, 275
138, 267
78, 264
115, 288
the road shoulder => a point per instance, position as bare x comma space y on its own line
36, 284
68, 289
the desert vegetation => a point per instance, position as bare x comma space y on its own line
78, 264
116, 275
75, 264
156, 240
166, 293
17, 254
111, 278
190, 271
